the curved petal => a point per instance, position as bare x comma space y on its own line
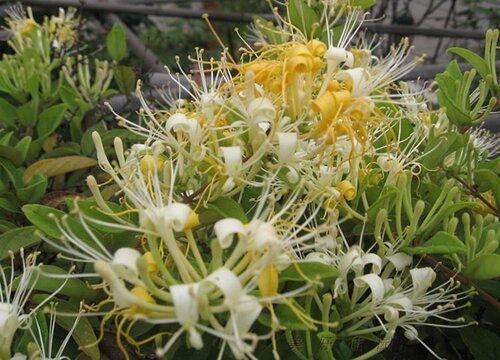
228, 283
358, 77
287, 144
375, 260
185, 300
375, 283
225, 230
125, 262
177, 214
400, 260
422, 279
261, 234
233, 159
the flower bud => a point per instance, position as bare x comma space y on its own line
268, 281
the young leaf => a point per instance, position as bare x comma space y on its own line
8, 114
227, 207
484, 267
441, 243
310, 270
116, 42
125, 78
34, 190
302, 16
50, 119
474, 59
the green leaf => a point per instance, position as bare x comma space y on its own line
482, 343
441, 243
6, 226
9, 203
72, 287
23, 146
125, 78
227, 207
68, 96
34, 190
484, 267
15, 239
50, 119
311, 270
90, 209
39, 215
11, 153
28, 113
13, 173
116, 42
8, 114
58, 166
472, 58
302, 16
364, 4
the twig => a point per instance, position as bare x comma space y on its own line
453, 274
240, 17
476, 193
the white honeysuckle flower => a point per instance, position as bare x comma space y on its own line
173, 215
233, 160
287, 146
388, 163
319, 257
179, 122
335, 56
226, 229
374, 260
400, 302
485, 142
125, 262
257, 234
228, 283
261, 234
400, 260
46, 343
359, 79
376, 286
185, 299
261, 111
121, 296
422, 279
244, 313
14, 295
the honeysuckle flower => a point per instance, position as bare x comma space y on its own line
185, 300
485, 143
46, 343
257, 234
400, 260
233, 165
14, 295
375, 283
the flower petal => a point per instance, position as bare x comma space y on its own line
225, 230
375, 283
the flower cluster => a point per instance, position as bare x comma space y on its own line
280, 193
